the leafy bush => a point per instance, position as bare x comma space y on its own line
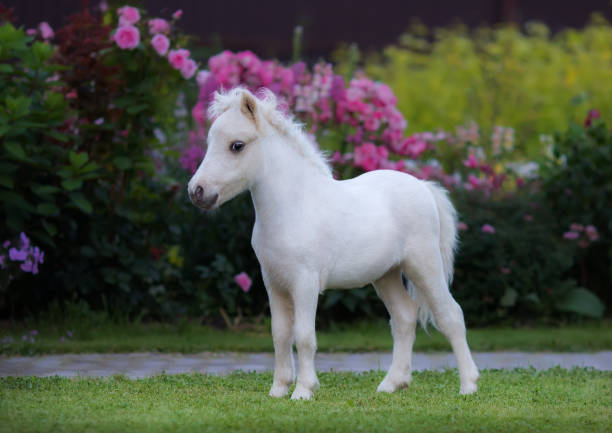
577, 183
532, 81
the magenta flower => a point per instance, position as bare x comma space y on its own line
462, 226
571, 235
202, 77
488, 228
160, 44
471, 162
45, 30
243, 280
176, 15
158, 25
128, 15
189, 69
593, 114
127, 37
178, 58
199, 113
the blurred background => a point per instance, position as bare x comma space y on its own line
506, 103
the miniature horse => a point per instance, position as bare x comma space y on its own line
313, 232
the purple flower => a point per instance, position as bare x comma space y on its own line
6, 244
25, 242
17, 255
62, 339
488, 228
571, 235
34, 332
28, 266
69, 334
7, 340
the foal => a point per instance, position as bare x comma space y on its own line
313, 232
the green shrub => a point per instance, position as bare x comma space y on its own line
531, 81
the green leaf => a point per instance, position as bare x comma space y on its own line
122, 162
57, 135
583, 302
14, 149
134, 109
4, 129
6, 181
49, 227
81, 202
78, 159
7, 167
44, 189
16, 200
47, 209
509, 298
6, 69
72, 184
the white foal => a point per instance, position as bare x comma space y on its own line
313, 232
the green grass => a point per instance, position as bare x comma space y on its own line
507, 401
191, 338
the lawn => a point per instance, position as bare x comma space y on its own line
364, 336
513, 401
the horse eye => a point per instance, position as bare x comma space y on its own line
237, 146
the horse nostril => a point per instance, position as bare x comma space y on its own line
199, 193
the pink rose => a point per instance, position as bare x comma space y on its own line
177, 58
127, 37
45, 30
243, 280
161, 44
189, 68
128, 15
176, 15
158, 25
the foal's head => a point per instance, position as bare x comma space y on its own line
234, 152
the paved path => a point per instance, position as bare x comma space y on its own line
136, 365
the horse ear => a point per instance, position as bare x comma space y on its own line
248, 106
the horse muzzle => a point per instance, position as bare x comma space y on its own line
201, 200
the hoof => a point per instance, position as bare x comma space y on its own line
301, 393
468, 388
279, 391
390, 384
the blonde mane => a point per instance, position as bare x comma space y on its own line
267, 104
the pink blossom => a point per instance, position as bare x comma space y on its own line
575, 227
571, 235
243, 280
201, 77
592, 233
176, 15
45, 30
128, 15
488, 228
191, 157
31, 32
593, 114
199, 112
158, 25
462, 226
160, 44
127, 37
177, 58
504, 270
471, 162
72, 94
189, 68
528, 217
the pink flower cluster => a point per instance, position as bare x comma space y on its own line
29, 256
243, 280
583, 235
366, 109
127, 37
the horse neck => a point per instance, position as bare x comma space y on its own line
285, 177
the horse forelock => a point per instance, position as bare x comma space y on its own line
286, 125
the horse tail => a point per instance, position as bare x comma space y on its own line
448, 244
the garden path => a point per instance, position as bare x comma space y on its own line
138, 365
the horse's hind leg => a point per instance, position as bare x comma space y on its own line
424, 268
403, 312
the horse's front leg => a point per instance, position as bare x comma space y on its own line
305, 296
281, 307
